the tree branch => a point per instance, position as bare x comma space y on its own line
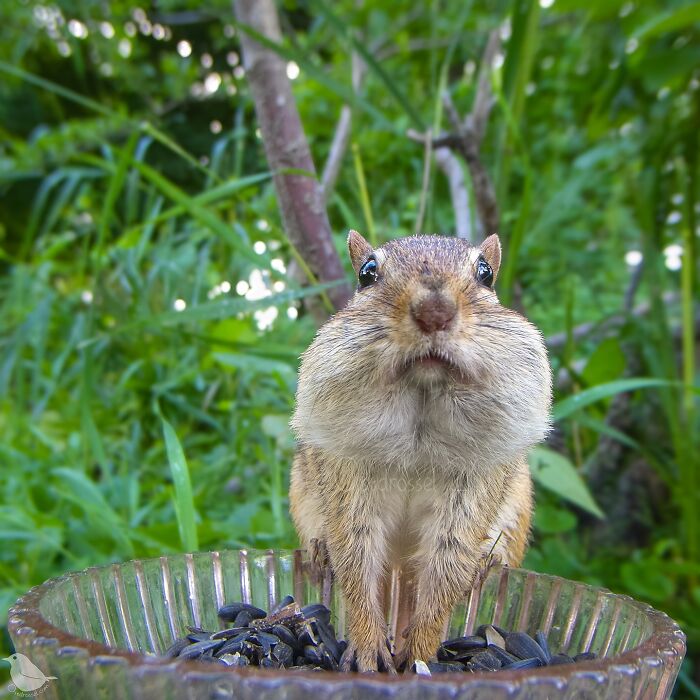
300, 195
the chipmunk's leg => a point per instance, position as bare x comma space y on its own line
357, 547
447, 561
507, 537
305, 498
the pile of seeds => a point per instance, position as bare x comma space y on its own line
295, 637
492, 648
289, 636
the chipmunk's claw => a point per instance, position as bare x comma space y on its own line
320, 561
367, 660
486, 563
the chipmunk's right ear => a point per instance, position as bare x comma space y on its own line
359, 250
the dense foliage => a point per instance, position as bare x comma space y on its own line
146, 303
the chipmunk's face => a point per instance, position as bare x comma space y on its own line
425, 351
436, 301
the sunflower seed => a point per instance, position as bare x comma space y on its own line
494, 637
421, 668
541, 639
445, 668
473, 642
524, 647
558, 659
228, 613
502, 655
287, 600
485, 660
176, 647
196, 650
524, 663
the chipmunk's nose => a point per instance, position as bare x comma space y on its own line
434, 313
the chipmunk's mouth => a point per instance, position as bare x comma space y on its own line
432, 363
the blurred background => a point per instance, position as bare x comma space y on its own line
152, 313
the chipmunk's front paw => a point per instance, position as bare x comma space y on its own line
367, 659
320, 561
421, 643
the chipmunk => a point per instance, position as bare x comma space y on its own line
415, 408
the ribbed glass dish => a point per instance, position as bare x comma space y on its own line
99, 632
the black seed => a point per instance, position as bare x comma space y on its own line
176, 647
585, 656
501, 654
287, 636
541, 639
243, 619
235, 660
487, 660
524, 647
327, 635
229, 633
445, 668
266, 640
318, 611
228, 613
464, 643
559, 659
308, 634
287, 600
196, 650
283, 653
445, 655
313, 654
198, 636
524, 663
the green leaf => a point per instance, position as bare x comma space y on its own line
556, 473
341, 29
646, 579
195, 209
553, 520
184, 500
571, 404
605, 364
670, 21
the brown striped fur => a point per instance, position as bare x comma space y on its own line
402, 462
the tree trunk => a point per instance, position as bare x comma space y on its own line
300, 197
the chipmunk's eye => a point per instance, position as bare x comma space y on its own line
368, 273
484, 273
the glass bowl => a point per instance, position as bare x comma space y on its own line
99, 632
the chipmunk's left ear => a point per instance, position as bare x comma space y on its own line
491, 250
359, 250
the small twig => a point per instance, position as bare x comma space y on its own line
451, 166
483, 101
426, 183
633, 286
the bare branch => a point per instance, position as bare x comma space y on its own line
484, 194
299, 195
476, 121
426, 182
341, 136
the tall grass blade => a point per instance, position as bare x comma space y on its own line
184, 500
